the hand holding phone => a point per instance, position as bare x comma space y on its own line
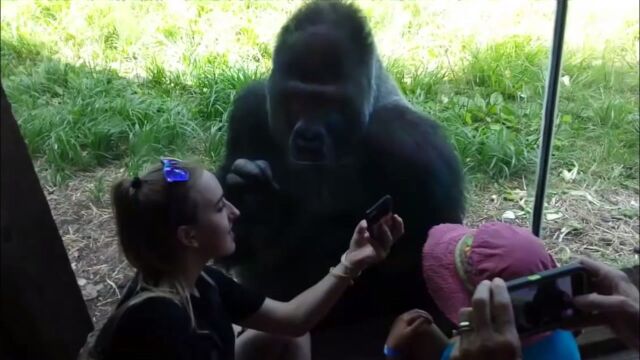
544, 301
377, 212
368, 246
615, 302
487, 329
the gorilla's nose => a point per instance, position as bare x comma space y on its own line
309, 139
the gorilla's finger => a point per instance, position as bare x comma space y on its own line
239, 164
265, 167
246, 168
265, 170
234, 180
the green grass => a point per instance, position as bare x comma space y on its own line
98, 83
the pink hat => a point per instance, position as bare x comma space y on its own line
455, 259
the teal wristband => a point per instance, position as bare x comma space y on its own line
390, 352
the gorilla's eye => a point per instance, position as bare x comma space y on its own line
334, 123
296, 111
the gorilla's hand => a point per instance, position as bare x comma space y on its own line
252, 174
251, 188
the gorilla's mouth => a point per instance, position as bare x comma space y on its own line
308, 150
308, 155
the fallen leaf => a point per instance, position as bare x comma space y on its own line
508, 215
550, 216
515, 195
569, 176
90, 291
585, 195
567, 229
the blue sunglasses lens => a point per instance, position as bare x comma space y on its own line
173, 172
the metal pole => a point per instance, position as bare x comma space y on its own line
550, 111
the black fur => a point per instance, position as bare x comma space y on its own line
288, 238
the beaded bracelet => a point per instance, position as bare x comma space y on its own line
333, 271
351, 273
343, 261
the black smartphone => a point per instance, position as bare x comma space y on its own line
543, 301
381, 209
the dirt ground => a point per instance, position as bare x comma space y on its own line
599, 223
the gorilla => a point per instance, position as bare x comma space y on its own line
312, 147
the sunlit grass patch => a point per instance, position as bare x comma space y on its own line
94, 83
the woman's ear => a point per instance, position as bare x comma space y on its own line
187, 236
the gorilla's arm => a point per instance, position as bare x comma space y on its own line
248, 137
248, 131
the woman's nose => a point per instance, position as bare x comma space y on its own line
234, 213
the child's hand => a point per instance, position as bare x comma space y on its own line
406, 327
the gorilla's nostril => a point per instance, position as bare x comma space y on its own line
308, 145
309, 138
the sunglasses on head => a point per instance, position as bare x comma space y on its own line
173, 172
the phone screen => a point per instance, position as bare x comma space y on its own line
544, 304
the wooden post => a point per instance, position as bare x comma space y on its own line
43, 315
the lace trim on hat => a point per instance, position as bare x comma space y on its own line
463, 266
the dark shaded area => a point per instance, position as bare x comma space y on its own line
43, 314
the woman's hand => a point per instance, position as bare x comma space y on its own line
490, 332
366, 248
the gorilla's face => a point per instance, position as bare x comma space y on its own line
321, 129
317, 110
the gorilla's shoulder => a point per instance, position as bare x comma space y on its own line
249, 106
413, 152
401, 129
255, 93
